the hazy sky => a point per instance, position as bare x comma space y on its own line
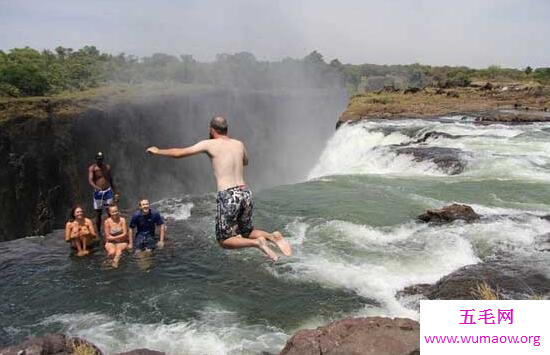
475, 33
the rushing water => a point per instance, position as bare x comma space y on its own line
352, 226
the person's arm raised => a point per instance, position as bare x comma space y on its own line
200, 147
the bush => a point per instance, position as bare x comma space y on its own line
27, 78
9, 90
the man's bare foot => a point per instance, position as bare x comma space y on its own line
81, 253
267, 251
281, 243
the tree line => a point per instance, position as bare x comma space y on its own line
29, 72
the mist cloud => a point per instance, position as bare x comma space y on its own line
473, 33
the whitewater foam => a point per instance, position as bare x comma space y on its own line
176, 209
215, 331
376, 262
495, 151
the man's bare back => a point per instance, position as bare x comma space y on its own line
228, 157
234, 228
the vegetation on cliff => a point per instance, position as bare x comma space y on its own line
29, 72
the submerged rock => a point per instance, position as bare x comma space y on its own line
435, 135
58, 344
372, 335
450, 213
447, 159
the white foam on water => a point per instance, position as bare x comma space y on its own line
297, 229
376, 262
356, 150
216, 331
494, 151
175, 209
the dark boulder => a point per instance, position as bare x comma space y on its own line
354, 336
435, 135
58, 344
511, 280
447, 159
450, 213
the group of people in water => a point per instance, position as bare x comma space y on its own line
118, 236
234, 227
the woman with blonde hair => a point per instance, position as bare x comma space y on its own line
116, 234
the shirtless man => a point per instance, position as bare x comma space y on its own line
101, 179
234, 229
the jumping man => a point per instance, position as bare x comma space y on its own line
234, 228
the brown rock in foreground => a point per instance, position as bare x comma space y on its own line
58, 344
358, 336
450, 213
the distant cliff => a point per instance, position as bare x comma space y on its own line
46, 145
512, 102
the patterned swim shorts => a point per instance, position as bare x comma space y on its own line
234, 213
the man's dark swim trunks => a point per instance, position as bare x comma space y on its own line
234, 213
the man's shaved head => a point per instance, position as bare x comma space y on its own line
219, 124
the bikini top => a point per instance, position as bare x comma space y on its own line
116, 230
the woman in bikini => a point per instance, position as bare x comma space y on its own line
79, 231
116, 234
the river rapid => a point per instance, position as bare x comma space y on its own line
351, 222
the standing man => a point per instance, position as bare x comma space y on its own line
146, 220
101, 179
234, 228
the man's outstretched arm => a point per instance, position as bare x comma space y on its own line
200, 147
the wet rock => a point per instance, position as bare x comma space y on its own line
142, 352
419, 289
372, 335
447, 159
516, 280
58, 344
543, 242
450, 213
546, 218
435, 135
